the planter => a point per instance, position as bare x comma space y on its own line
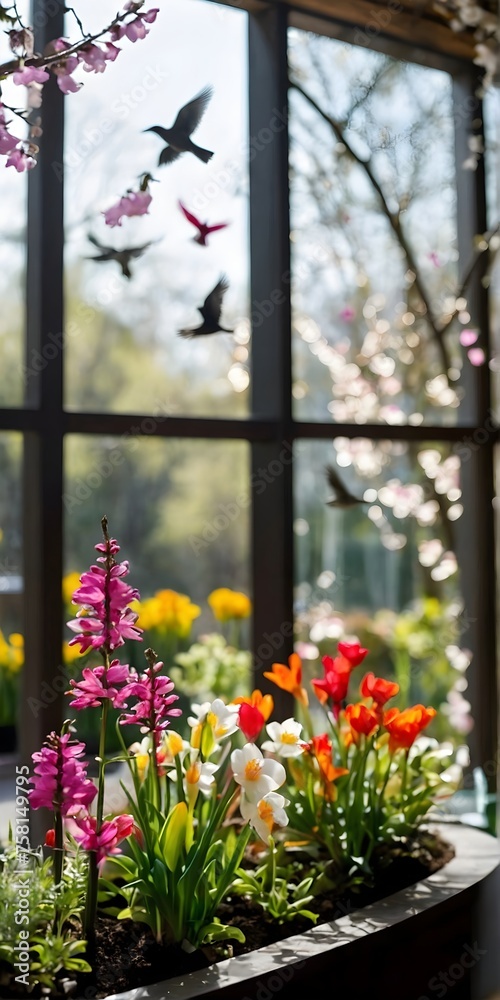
418, 944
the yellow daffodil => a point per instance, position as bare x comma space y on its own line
168, 612
229, 604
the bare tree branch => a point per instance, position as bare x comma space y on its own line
394, 221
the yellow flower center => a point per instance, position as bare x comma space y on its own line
193, 773
253, 769
265, 811
212, 719
174, 744
288, 738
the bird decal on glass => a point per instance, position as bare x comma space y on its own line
340, 496
122, 257
203, 228
178, 137
210, 311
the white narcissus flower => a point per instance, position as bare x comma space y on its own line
285, 738
256, 774
213, 721
264, 815
198, 777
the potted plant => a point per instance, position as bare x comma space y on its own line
282, 820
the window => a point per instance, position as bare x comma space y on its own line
346, 348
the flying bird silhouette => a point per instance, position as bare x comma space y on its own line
203, 228
340, 496
122, 257
178, 137
210, 311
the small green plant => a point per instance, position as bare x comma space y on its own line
281, 899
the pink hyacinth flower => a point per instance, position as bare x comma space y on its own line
98, 684
60, 779
83, 829
153, 710
21, 161
107, 620
30, 74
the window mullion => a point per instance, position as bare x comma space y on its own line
272, 507
475, 546
41, 702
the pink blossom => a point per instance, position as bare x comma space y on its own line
135, 29
83, 829
153, 709
476, 356
63, 70
434, 258
8, 142
21, 161
67, 84
468, 337
60, 779
347, 314
95, 58
106, 620
112, 51
99, 684
134, 203
30, 74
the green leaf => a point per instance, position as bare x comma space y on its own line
173, 835
216, 931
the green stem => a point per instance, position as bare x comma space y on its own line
404, 779
93, 873
156, 774
58, 846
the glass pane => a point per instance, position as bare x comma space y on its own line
492, 159
179, 510
373, 219
123, 332
11, 589
383, 569
12, 281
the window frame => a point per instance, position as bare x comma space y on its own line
271, 429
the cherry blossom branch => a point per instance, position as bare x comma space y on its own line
39, 61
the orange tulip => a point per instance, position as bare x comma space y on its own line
289, 678
321, 748
362, 720
378, 688
404, 727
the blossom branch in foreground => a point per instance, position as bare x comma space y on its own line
61, 58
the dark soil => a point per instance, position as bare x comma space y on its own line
128, 956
